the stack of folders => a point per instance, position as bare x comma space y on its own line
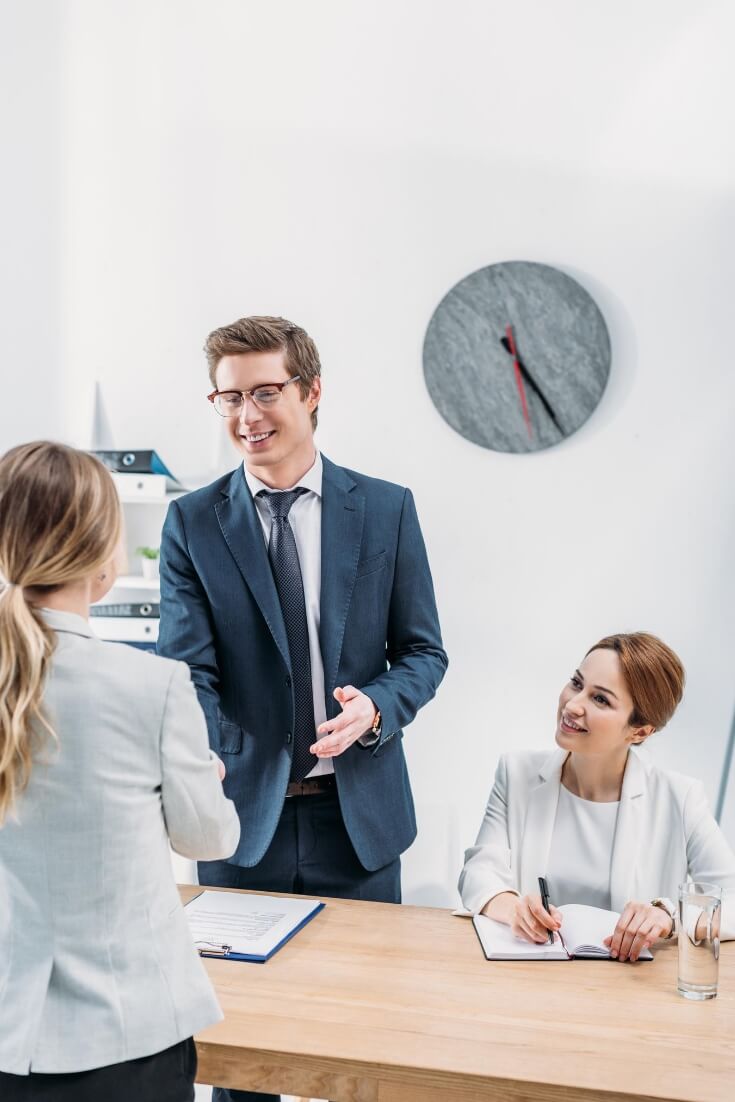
135, 623
240, 926
582, 935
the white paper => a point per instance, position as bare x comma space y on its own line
254, 925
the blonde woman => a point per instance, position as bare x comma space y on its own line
596, 817
103, 761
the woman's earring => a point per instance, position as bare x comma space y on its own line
101, 577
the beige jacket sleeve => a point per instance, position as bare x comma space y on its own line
202, 823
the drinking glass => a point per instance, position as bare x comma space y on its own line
699, 940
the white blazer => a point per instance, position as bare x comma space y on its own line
665, 834
97, 964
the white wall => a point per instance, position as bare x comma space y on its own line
32, 124
344, 164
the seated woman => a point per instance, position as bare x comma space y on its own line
104, 760
597, 818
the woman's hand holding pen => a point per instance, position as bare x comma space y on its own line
531, 922
525, 915
639, 926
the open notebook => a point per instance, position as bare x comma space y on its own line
583, 931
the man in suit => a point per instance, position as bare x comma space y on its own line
300, 595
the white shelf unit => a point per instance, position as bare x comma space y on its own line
144, 517
136, 581
143, 522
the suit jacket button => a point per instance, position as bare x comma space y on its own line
288, 682
289, 736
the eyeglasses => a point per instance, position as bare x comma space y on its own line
229, 403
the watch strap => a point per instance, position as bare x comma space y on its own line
666, 905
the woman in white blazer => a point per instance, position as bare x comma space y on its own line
596, 817
104, 760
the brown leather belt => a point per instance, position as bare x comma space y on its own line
313, 786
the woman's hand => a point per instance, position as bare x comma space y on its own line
638, 927
524, 914
531, 922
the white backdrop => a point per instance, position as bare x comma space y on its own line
177, 165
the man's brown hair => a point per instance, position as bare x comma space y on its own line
267, 335
653, 673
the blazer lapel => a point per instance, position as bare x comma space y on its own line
539, 824
343, 514
628, 832
241, 528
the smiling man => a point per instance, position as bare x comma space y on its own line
300, 595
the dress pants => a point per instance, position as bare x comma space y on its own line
166, 1076
311, 854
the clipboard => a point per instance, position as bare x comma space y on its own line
228, 949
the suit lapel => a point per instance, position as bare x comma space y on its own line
539, 824
343, 514
628, 832
241, 528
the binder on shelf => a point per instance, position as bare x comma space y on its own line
146, 609
146, 487
126, 629
144, 462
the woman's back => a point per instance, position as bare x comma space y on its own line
98, 965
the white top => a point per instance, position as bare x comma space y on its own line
305, 518
580, 855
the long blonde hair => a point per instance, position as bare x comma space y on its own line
59, 522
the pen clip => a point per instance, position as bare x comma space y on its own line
213, 948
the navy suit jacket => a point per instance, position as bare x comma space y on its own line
379, 631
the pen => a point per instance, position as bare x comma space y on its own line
543, 888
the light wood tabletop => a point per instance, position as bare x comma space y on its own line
372, 1002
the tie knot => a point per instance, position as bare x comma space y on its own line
279, 504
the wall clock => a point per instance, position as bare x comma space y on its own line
516, 356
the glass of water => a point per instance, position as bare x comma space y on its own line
699, 940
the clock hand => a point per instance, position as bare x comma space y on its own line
519, 381
531, 382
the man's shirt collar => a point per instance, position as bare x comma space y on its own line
312, 480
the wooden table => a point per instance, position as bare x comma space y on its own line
377, 1003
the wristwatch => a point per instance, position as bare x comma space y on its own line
666, 905
372, 735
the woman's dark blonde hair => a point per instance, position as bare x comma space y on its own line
653, 673
59, 522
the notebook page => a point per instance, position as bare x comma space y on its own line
498, 943
585, 928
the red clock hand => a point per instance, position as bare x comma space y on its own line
519, 379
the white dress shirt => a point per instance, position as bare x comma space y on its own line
580, 855
305, 518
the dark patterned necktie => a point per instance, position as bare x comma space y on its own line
284, 560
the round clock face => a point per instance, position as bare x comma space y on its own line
516, 356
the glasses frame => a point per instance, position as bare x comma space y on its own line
245, 394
